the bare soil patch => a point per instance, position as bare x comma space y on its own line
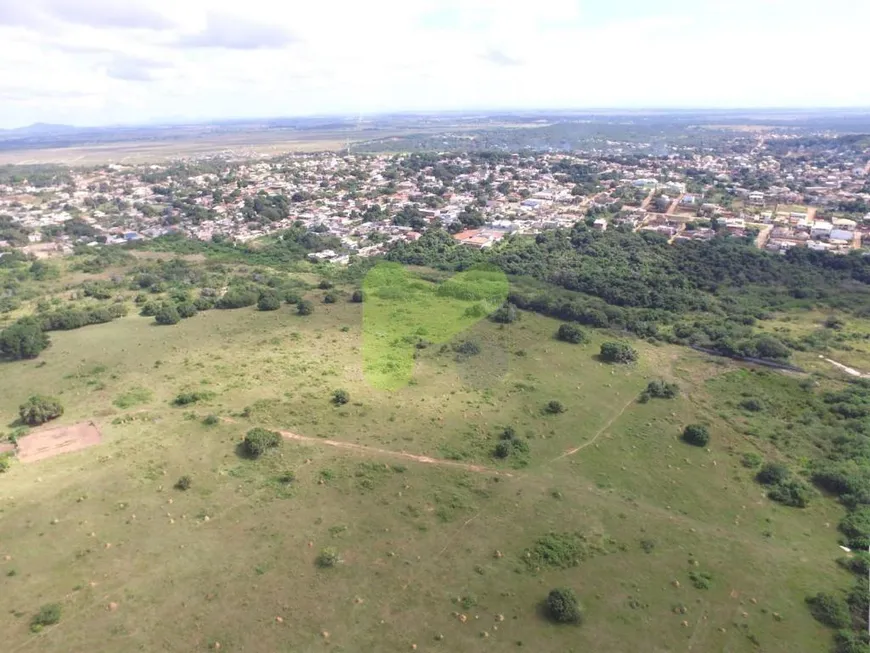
48, 443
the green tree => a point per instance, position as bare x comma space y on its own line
563, 606
186, 310
23, 339
696, 434
571, 333
618, 352
258, 441
167, 315
39, 409
269, 301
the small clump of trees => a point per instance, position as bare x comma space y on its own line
618, 352
258, 441
39, 409
24, 339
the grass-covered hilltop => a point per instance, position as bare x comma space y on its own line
556, 444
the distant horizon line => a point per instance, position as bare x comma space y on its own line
349, 116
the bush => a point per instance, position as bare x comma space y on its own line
183, 483
357, 297
502, 449
238, 298
167, 315
772, 474
327, 558
507, 314
752, 405
563, 606
48, 615
304, 307
571, 333
618, 352
187, 398
269, 301
659, 389
468, 348
340, 397
791, 493
259, 441
829, 610
23, 339
330, 298
696, 434
187, 310
555, 407
39, 409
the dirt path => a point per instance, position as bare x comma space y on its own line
601, 431
426, 460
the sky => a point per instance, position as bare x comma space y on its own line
99, 62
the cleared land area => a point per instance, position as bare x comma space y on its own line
447, 557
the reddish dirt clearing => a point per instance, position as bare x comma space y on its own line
55, 441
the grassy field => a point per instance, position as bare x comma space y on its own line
432, 555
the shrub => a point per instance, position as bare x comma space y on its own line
327, 557
571, 333
187, 309
701, 579
555, 407
507, 314
618, 352
183, 483
829, 610
563, 606
330, 298
39, 409
23, 339
304, 307
187, 398
468, 348
772, 474
659, 389
357, 297
259, 441
269, 301
167, 315
752, 405
238, 298
340, 397
791, 493
48, 615
502, 449
696, 434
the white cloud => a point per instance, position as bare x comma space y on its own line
106, 61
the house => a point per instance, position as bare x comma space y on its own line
821, 229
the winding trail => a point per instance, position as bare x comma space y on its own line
601, 431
